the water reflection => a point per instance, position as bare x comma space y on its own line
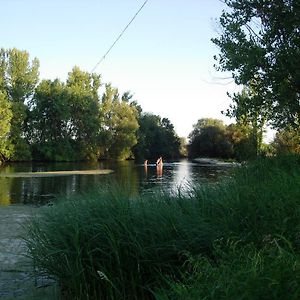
159, 171
5, 186
135, 178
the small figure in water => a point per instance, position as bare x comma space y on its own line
146, 165
159, 167
159, 162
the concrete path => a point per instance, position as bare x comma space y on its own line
17, 279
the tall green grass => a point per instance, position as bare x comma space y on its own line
240, 272
107, 245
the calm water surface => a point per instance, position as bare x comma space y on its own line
136, 178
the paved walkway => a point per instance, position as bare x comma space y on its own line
17, 280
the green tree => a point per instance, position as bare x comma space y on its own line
156, 137
118, 125
244, 145
5, 118
287, 141
82, 89
209, 139
145, 148
183, 147
18, 80
250, 116
170, 140
261, 41
50, 122
65, 118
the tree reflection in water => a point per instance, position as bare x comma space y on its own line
135, 178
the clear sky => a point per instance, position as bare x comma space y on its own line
165, 58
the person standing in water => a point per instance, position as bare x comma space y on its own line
146, 165
159, 167
159, 161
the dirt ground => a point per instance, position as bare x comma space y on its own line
17, 277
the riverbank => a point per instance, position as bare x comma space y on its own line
17, 277
213, 162
238, 238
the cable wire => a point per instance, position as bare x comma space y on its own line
117, 39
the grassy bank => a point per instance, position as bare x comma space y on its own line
222, 241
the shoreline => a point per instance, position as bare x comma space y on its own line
17, 276
214, 162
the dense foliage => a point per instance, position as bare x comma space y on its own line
238, 239
18, 79
209, 139
249, 113
65, 121
286, 141
156, 138
212, 138
5, 123
260, 45
119, 122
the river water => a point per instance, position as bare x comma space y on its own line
16, 279
134, 177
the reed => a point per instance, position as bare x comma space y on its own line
107, 245
240, 272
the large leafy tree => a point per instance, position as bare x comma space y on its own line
170, 141
250, 114
5, 118
261, 41
82, 89
50, 122
156, 137
119, 124
148, 135
18, 79
65, 118
287, 141
209, 139
243, 140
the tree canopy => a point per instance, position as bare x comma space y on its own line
18, 79
287, 140
66, 121
5, 119
209, 139
260, 42
212, 138
156, 137
119, 124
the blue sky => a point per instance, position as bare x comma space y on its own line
165, 58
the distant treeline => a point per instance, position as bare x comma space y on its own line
65, 121
240, 141
51, 120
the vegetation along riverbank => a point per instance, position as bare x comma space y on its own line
235, 239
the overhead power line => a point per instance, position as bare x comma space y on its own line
117, 39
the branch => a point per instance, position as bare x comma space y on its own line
253, 32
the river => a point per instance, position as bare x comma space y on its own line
135, 177
20, 196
